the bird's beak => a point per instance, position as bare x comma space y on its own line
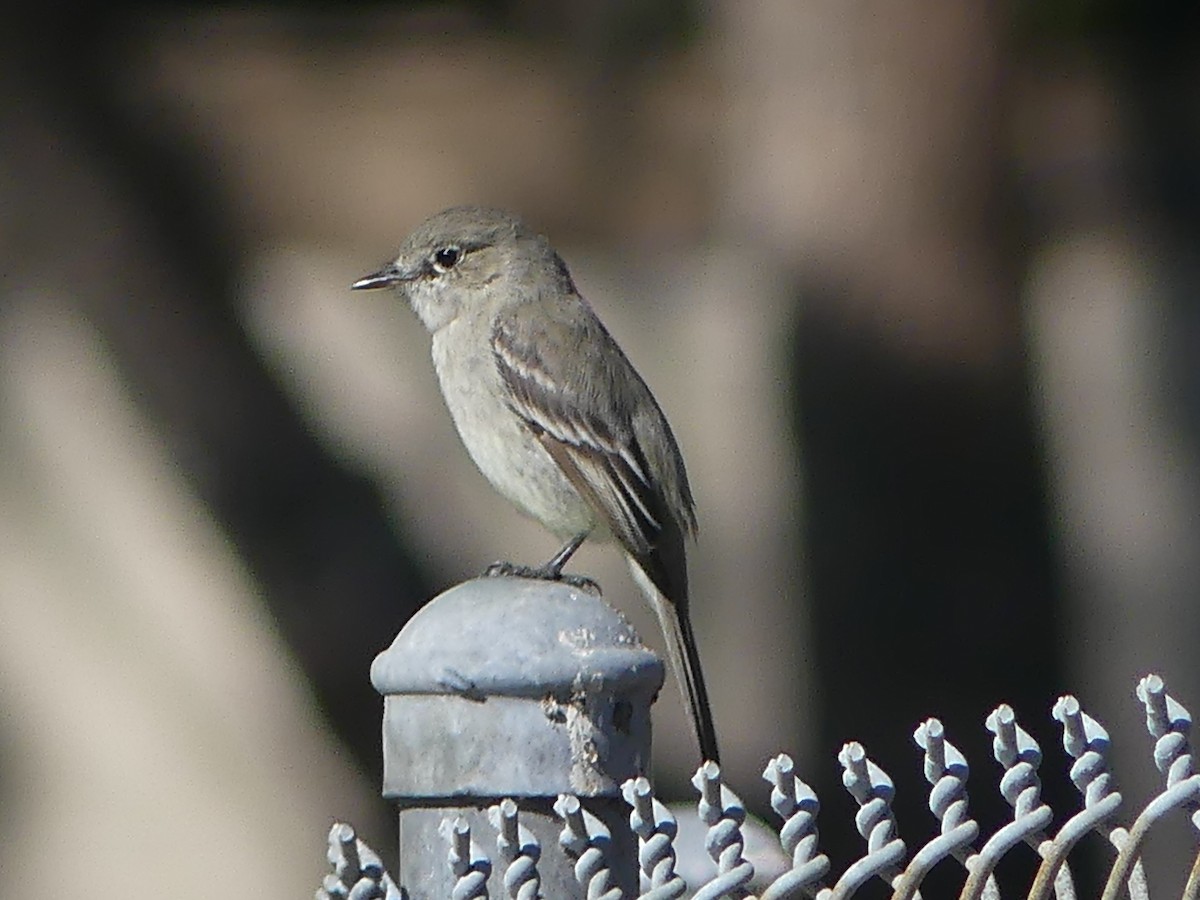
386, 277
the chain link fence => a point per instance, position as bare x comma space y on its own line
471, 848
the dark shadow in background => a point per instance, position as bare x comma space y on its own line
929, 564
337, 579
931, 558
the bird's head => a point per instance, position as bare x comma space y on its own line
462, 258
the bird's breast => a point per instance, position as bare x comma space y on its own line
498, 441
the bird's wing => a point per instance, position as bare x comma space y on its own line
553, 368
588, 432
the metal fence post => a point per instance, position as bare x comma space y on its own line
512, 688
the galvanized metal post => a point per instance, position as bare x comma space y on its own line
512, 688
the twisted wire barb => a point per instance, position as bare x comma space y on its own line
722, 811
470, 866
946, 770
518, 849
1087, 743
873, 790
656, 828
587, 840
358, 873
1169, 724
1015, 749
797, 804
1020, 756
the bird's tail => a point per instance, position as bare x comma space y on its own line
685, 659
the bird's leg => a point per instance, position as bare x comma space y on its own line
563, 556
551, 571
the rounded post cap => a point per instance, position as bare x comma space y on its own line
516, 637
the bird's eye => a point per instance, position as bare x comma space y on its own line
446, 258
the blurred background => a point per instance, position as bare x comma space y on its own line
915, 283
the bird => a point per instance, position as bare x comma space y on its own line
553, 413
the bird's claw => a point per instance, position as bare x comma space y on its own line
541, 573
581, 582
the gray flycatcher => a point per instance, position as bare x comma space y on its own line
553, 413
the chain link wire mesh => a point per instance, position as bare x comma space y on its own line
512, 869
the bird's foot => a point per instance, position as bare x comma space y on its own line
581, 582
541, 573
